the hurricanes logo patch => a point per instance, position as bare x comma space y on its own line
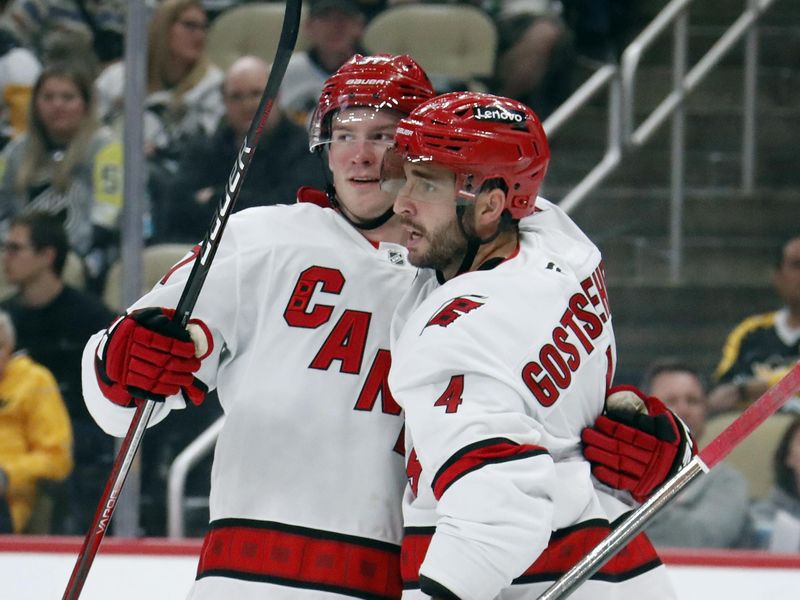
498, 114
454, 309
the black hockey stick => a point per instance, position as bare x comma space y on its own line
188, 299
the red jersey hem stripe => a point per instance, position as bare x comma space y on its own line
567, 546
301, 557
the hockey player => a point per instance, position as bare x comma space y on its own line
292, 325
292, 330
503, 352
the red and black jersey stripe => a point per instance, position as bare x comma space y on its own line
567, 546
301, 557
478, 455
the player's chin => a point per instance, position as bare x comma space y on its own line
372, 207
417, 254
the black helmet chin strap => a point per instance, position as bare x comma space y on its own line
365, 225
473, 241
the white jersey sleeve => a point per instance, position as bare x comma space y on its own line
217, 306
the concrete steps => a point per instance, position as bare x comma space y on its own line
730, 239
689, 322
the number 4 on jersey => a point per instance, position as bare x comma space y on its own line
451, 399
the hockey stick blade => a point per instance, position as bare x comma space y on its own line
187, 301
711, 455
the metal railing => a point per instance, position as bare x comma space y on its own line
179, 470
605, 77
625, 137
622, 137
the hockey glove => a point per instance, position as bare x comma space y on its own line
637, 443
146, 355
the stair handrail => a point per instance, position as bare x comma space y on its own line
196, 450
624, 137
675, 14
606, 76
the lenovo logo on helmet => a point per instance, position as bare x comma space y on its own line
365, 81
498, 114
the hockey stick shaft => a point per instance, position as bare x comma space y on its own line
188, 299
711, 455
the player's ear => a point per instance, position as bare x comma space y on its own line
489, 206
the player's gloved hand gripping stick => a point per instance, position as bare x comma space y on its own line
188, 299
637, 443
710, 456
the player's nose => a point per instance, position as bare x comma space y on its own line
364, 152
403, 204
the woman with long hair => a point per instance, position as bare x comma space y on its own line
66, 164
183, 87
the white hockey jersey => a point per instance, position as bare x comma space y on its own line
308, 470
498, 371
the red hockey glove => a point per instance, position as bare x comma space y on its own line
637, 443
147, 355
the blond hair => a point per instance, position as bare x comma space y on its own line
36, 152
158, 54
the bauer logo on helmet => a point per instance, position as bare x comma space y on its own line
365, 81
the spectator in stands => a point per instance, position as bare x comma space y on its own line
712, 511
183, 86
281, 164
53, 322
535, 54
96, 24
602, 28
762, 348
19, 69
334, 29
66, 164
777, 517
35, 433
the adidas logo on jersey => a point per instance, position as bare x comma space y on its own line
498, 114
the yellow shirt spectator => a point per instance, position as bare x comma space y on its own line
35, 431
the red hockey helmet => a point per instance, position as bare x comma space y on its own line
381, 81
479, 137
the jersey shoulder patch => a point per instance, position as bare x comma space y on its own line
455, 308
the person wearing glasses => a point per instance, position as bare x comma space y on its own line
183, 86
52, 322
281, 164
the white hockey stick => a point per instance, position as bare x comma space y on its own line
710, 456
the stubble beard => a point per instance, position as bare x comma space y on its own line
446, 249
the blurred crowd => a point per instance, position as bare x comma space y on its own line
62, 76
